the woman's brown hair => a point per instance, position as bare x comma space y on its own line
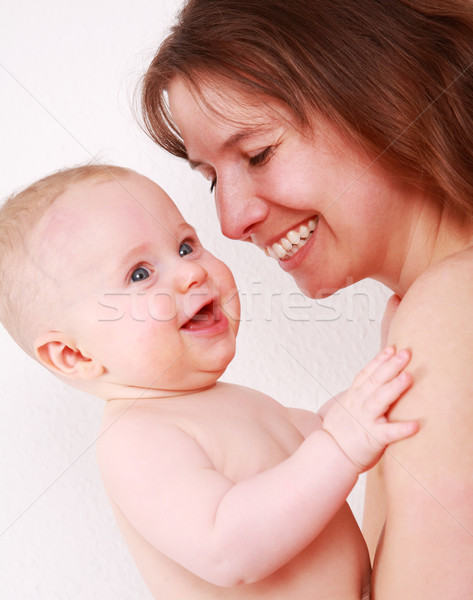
395, 76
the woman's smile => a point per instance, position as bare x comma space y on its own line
288, 245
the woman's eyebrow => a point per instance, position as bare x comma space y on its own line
235, 139
239, 136
194, 164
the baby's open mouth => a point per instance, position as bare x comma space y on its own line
205, 317
293, 241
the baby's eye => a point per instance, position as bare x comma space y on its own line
213, 183
139, 274
185, 249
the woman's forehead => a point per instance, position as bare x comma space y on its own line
227, 104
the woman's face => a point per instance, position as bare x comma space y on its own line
325, 212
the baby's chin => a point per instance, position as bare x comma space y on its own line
198, 367
199, 379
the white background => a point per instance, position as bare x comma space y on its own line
68, 73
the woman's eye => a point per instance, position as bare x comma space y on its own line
261, 157
185, 249
139, 274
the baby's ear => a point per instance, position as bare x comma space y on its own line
59, 353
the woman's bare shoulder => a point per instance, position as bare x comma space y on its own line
428, 477
434, 321
440, 299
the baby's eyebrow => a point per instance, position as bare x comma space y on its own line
134, 251
187, 229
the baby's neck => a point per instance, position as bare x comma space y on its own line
133, 394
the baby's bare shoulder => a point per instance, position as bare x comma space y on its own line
146, 445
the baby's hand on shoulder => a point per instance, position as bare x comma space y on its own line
357, 419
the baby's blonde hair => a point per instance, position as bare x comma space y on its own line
21, 300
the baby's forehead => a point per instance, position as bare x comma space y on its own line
59, 219
91, 205
103, 215
60, 227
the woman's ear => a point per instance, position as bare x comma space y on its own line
59, 353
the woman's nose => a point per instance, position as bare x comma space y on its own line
239, 209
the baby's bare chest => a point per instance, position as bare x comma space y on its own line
248, 447
243, 436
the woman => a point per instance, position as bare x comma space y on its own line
338, 137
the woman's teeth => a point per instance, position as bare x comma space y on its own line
293, 241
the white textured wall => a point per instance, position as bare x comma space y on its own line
67, 75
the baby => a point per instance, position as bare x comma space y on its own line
220, 491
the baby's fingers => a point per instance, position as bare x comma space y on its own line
390, 392
387, 433
387, 371
373, 365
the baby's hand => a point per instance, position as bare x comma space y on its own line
357, 419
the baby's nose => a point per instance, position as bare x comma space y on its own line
190, 274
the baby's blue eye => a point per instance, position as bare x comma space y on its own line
185, 249
139, 274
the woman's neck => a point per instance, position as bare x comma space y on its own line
432, 233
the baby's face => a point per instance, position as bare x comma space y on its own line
140, 293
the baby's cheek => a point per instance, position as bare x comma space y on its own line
161, 306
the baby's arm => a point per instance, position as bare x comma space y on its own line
357, 418
230, 533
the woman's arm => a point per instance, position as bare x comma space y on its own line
427, 546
